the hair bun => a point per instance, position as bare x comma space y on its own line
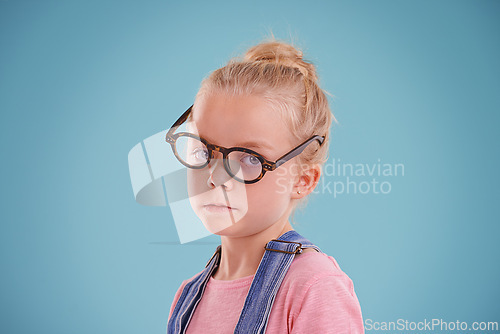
283, 54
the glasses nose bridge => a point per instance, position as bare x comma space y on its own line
219, 166
220, 149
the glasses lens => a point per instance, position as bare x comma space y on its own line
244, 166
191, 151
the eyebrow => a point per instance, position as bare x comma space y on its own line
246, 144
255, 144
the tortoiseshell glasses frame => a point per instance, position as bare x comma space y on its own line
266, 165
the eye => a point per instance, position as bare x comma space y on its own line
250, 160
200, 154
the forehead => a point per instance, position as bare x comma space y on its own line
232, 120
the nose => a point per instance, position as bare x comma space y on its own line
218, 175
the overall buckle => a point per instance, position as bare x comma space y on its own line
297, 250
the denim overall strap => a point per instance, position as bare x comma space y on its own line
191, 296
267, 280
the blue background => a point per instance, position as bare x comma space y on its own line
82, 82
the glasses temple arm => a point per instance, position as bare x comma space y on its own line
179, 122
296, 151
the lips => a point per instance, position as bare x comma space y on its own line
218, 209
219, 205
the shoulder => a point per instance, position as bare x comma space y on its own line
312, 268
186, 281
183, 284
319, 297
314, 264
179, 291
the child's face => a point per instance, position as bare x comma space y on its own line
239, 121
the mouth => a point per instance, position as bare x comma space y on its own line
218, 208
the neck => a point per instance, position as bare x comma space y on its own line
241, 256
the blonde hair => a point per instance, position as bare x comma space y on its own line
276, 71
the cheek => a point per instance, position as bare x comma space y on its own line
197, 188
282, 180
196, 181
270, 193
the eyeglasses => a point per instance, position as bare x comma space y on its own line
242, 164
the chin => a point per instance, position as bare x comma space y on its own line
215, 223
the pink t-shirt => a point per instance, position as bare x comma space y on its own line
316, 296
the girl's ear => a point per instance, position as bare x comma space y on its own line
307, 181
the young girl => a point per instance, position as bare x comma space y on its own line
258, 137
